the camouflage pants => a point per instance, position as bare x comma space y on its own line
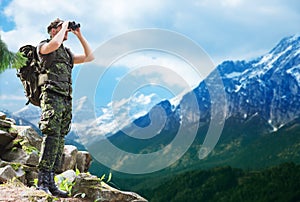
55, 124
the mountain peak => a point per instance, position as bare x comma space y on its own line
286, 44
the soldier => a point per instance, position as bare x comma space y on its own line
56, 101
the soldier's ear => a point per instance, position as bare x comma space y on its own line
53, 31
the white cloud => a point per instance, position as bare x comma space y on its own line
142, 99
232, 29
12, 102
225, 28
159, 68
98, 18
12, 97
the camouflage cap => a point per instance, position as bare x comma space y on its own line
54, 24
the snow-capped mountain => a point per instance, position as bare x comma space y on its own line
268, 87
29, 113
110, 118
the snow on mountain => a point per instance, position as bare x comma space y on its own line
113, 117
268, 85
29, 113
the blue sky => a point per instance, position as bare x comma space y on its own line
6, 23
224, 29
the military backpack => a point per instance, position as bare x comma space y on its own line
29, 74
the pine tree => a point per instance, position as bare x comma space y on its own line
9, 59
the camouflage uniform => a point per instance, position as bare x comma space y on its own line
56, 105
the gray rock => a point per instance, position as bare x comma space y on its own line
68, 175
90, 185
25, 147
95, 190
4, 163
109, 193
68, 158
21, 175
2, 116
11, 120
5, 124
20, 156
83, 161
5, 139
32, 138
7, 173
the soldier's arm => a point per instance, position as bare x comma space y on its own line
56, 41
88, 53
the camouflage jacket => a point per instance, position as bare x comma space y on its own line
56, 70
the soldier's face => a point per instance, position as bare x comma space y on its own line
56, 30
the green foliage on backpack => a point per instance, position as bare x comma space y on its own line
9, 59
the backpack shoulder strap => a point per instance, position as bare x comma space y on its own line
38, 47
70, 55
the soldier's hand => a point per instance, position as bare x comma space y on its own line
77, 32
65, 25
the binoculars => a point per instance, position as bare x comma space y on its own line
73, 25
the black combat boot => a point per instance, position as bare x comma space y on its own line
54, 189
43, 181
